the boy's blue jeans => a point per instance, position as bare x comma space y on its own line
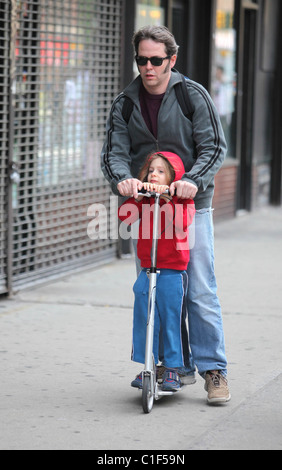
170, 315
206, 335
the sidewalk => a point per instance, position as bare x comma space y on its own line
65, 358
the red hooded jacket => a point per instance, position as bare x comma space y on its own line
175, 218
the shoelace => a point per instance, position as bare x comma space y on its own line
215, 378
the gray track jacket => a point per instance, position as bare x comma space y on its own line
200, 143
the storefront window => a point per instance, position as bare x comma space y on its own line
150, 12
223, 86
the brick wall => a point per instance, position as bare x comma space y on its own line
224, 201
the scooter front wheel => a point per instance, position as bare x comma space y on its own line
147, 394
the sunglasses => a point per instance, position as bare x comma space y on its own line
155, 61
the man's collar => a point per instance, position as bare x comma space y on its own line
132, 90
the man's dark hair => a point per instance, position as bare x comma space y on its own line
159, 34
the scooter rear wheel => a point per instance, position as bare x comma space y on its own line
147, 395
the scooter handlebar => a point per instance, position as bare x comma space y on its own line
144, 192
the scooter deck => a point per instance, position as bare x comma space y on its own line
162, 393
159, 393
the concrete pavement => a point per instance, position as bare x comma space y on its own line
65, 358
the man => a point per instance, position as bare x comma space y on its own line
157, 123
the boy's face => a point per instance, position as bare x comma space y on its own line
158, 173
155, 78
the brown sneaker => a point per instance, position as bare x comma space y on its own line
216, 386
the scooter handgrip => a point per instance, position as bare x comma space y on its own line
152, 193
142, 191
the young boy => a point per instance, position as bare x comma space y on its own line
159, 171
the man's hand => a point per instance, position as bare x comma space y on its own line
183, 189
130, 187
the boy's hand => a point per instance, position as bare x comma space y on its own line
155, 187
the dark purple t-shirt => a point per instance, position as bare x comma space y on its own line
150, 105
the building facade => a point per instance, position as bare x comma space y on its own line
232, 48
61, 64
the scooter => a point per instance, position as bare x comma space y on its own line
151, 389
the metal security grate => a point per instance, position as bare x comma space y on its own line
4, 137
67, 55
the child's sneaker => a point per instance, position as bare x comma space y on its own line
217, 388
160, 373
171, 381
186, 377
137, 382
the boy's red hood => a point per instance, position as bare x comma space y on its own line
176, 162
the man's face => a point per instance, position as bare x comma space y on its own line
155, 79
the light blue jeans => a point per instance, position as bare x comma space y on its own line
206, 336
204, 311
